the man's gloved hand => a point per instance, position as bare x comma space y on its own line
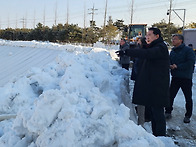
120, 53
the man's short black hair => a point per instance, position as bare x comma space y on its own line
156, 31
180, 37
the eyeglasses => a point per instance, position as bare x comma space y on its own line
175, 39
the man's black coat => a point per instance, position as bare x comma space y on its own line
152, 84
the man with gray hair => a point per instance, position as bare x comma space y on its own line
182, 60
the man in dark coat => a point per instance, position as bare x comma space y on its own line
182, 60
124, 60
152, 85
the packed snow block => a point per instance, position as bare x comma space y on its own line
98, 112
36, 88
126, 98
7, 116
45, 112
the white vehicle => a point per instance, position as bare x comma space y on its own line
189, 37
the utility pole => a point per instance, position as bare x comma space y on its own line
44, 17
84, 29
16, 22
183, 20
131, 21
8, 21
26, 20
84, 15
23, 22
105, 20
132, 11
169, 13
55, 20
93, 13
92, 23
169, 23
105, 13
34, 19
67, 22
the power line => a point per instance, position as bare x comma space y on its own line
23, 22
115, 9
92, 13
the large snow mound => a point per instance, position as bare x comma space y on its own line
72, 102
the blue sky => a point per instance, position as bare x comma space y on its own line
16, 13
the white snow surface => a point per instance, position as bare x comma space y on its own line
80, 105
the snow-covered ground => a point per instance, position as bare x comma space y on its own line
71, 97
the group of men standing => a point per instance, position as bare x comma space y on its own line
152, 87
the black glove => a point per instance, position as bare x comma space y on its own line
120, 53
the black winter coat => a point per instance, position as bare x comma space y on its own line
137, 62
124, 59
152, 84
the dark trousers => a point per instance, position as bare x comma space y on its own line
186, 86
126, 66
158, 121
147, 113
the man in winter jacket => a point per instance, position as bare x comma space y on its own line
124, 60
182, 60
152, 85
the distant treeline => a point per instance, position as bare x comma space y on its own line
72, 33
67, 33
60, 33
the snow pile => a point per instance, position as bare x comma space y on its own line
48, 45
102, 45
72, 102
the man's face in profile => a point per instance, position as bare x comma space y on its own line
150, 37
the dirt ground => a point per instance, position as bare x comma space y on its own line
184, 135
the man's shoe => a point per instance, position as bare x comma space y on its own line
147, 120
168, 116
186, 119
